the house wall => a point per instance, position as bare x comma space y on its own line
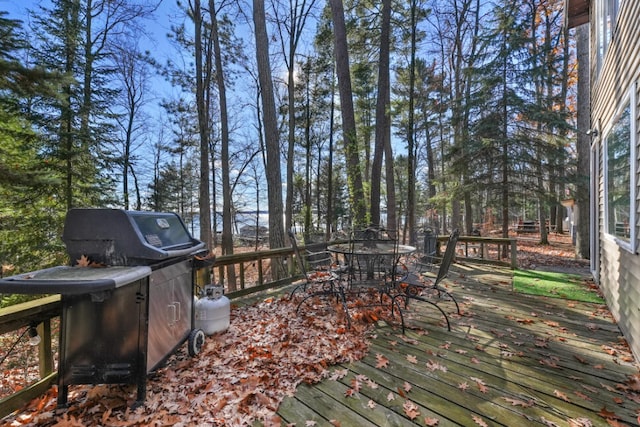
619, 270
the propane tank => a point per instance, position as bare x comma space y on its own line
213, 310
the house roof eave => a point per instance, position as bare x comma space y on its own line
576, 12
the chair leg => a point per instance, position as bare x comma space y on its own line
343, 297
407, 297
441, 290
302, 286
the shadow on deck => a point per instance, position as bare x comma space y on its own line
510, 360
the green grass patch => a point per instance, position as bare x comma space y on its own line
556, 285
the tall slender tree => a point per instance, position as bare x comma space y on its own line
272, 145
290, 27
203, 79
133, 75
354, 175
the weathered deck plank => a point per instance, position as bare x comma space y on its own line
509, 360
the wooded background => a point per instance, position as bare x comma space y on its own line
411, 114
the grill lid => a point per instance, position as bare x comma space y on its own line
118, 237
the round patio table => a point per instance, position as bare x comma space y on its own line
370, 256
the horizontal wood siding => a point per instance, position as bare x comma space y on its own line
621, 66
619, 272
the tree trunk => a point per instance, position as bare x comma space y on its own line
354, 174
329, 221
227, 212
203, 128
291, 136
382, 118
272, 145
411, 155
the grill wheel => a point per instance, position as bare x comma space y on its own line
196, 341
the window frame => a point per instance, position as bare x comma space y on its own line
630, 101
594, 194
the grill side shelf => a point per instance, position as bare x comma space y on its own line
72, 280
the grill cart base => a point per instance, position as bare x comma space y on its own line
102, 339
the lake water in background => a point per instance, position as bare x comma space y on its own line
242, 219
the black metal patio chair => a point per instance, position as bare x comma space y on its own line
321, 276
415, 284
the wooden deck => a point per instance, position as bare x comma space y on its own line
510, 360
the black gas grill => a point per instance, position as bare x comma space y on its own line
127, 297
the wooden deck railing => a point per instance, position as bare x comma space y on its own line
37, 313
487, 249
252, 274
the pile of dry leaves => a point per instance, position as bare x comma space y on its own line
240, 375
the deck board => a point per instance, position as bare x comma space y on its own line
542, 361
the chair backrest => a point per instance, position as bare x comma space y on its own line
430, 246
299, 259
447, 258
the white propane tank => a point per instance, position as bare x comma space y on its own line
213, 310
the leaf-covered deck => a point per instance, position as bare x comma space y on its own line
510, 360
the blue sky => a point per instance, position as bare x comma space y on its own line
16, 8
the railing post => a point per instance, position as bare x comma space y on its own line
514, 254
45, 353
242, 272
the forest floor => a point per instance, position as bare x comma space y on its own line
558, 255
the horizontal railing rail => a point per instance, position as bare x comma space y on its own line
497, 250
252, 274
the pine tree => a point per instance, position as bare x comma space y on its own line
30, 219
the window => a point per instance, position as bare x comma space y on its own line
619, 147
606, 15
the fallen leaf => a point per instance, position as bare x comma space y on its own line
548, 423
549, 362
479, 421
580, 422
83, 261
605, 413
350, 392
581, 359
518, 402
583, 396
410, 410
382, 361
481, 384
